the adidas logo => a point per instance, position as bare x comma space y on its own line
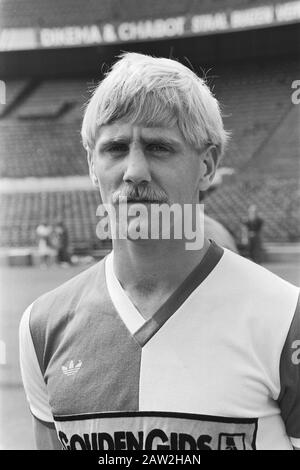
71, 369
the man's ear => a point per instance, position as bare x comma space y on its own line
91, 164
209, 161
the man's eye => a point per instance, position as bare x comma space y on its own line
117, 148
157, 148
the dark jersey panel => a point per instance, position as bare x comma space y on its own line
289, 398
88, 358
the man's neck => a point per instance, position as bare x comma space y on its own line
149, 271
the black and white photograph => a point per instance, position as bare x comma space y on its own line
149, 227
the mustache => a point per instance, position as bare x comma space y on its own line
139, 193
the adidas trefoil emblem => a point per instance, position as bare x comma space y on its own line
71, 369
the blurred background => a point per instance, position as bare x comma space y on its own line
52, 54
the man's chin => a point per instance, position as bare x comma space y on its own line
140, 230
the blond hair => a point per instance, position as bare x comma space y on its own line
152, 92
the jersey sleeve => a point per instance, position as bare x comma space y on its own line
33, 381
289, 398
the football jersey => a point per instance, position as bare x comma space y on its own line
216, 367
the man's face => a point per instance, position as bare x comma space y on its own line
146, 165
157, 159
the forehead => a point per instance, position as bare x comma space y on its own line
134, 131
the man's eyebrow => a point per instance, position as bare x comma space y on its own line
113, 140
161, 140
144, 140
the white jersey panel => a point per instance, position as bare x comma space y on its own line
34, 385
210, 356
271, 434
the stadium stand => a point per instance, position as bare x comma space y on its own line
53, 98
277, 201
22, 213
40, 128
257, 108
254, 100
40, 149
280, 154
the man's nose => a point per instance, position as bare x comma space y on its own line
137, 167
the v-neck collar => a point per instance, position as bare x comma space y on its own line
123, 305
143, 330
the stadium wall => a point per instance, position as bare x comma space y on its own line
205, 50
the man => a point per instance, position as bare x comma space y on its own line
62, 242
158, 346
46, 250
254, 225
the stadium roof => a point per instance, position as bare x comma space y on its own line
45, 13
34, 24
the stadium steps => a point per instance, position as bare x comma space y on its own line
52, 111
285, 137
17, 93
40, 148
254, 98
54, 99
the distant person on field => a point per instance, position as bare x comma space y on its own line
243, 240
62, 242
254, 225
46, 250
